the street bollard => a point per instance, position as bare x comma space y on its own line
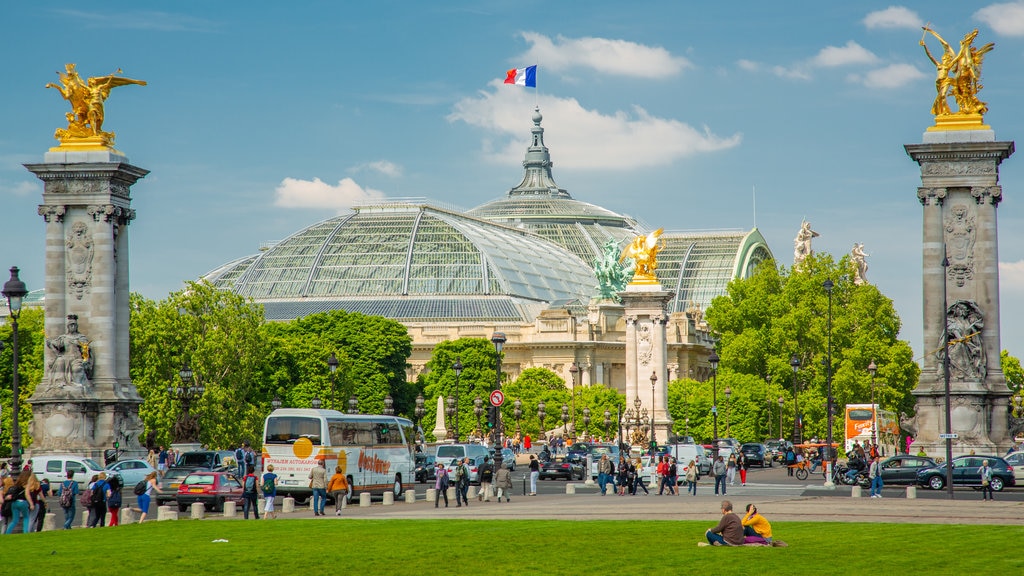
261, 505
431, 494
570, 488
410, 496
166, 512
49, 522
524, 484
389, 499
471, 493
911, 492
230, 509
364, 500
288, 505
451, 494
198, 510
129, 515
856, 492
590, 464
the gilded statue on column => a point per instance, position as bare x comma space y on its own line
957, 74
87, 99
644, 252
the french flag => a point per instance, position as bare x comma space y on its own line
522, 76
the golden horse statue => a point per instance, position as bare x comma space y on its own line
644, 252
87, 98
957, 73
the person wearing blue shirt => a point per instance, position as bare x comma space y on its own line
71, 487
269, 492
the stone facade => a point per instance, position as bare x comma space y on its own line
86, 400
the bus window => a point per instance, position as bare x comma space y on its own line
288, 429
388, 434
860, 414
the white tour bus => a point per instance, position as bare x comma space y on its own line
375, 452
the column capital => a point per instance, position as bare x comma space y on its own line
931, 196
987, 194
52, 213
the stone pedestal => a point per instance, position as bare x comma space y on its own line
570, 488
959, 195
288, 505
49, 522
197, 511
364, 499
471, 492
410, 496
431, 494
647, 352
389, 499
230, 509
166, 512
129, 515
86, 400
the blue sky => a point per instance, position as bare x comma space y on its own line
261, 118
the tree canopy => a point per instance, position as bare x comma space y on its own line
30, 373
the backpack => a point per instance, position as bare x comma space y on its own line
239, 455
115, 499
67, 499
460, 472
96, 497
140, 488
86, 497
268, 486
248, 458
250, 484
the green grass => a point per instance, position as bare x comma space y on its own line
507, 547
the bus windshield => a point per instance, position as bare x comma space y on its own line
288, 429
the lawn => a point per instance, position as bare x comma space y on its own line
506, 547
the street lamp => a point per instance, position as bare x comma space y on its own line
186, 429
478, 409
419, 411
781, 404
728, 410
353, 405
827, 284
450, 410
389, 405
713, 360
874, 409
607, 421
15, 291
517, 413
565, 419
654, 382
573, 371
332, 364
458, 372
794, 362
586, 422
498, 339
315, 403
541, 415
275, 403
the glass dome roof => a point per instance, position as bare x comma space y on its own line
411, 262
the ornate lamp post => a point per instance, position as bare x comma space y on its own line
332, 364
458, 372
275, 403
872, 369
15, 292
586, 422
573, 371
419, 411
450, 410
686, 431
353, 405
713, 360
565, 420
389, 405
478, 409
607, 421
315, 403
794, 362
654, 382
517, 413
498, 339
541, 415
781, 404
827, 284
728, 411
186, 430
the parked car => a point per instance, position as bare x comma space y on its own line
1015, 459
212, 489
596, 451
130, 471
777, 449
756, 454
426, 468
54, 467
966, 473
168, 486
474, 469
903, 469
213, 460
508, 457
560, 467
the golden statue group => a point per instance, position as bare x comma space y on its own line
957, 73
644, 252
85, 121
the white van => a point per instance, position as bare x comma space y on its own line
54, 467
683, 453
447, 453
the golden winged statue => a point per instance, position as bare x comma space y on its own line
87, 98
957, 74
644, 252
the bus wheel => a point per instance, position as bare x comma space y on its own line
351, 489
398, 486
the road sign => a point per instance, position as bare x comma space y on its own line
949, 436
497, 398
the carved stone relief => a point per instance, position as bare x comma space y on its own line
961, 234
79, 251
957, 168
967, 358
644, 349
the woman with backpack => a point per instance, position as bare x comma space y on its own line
249, 494
114, 500
269, 492
21, 502
146, 495
68, 492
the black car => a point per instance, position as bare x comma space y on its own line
903, 469
756, 454
561, 468
966, 472
426, 468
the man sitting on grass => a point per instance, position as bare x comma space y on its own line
729, 531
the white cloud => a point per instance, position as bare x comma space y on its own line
21, 189
893, 17
613, 57
1006, 19
748, 65
295, 193
1011, 277
384, 167
852, 53
794, 73
582, 138
892, 76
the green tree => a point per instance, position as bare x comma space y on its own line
777, 313
30, 373
1011, 370
477, 379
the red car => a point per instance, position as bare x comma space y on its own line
210, 488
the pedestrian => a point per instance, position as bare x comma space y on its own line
269, 492
729, 530
318, 482
151, 458
38, 491
790, 460
250, 494
742, 465
673, 477
662, 472
604, 469
756, 528
147, 495
441, 485
535, 474
240, 460
503, 483
338, 489
636, 466
719, 469
161, 466
526, 442
21, 502
623, 479
486, 477
691, 478
98, 501
114, 499
68, 494
730, 472
462, 482
986, 481
875, 474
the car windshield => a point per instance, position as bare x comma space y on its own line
173, 474
751, 447
204, 459
199, 479
450, 451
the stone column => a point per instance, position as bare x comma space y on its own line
647, 352
959, 195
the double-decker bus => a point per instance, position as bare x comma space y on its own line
863, 419
375, 452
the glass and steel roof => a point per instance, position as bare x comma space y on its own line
410, 262
698, 266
